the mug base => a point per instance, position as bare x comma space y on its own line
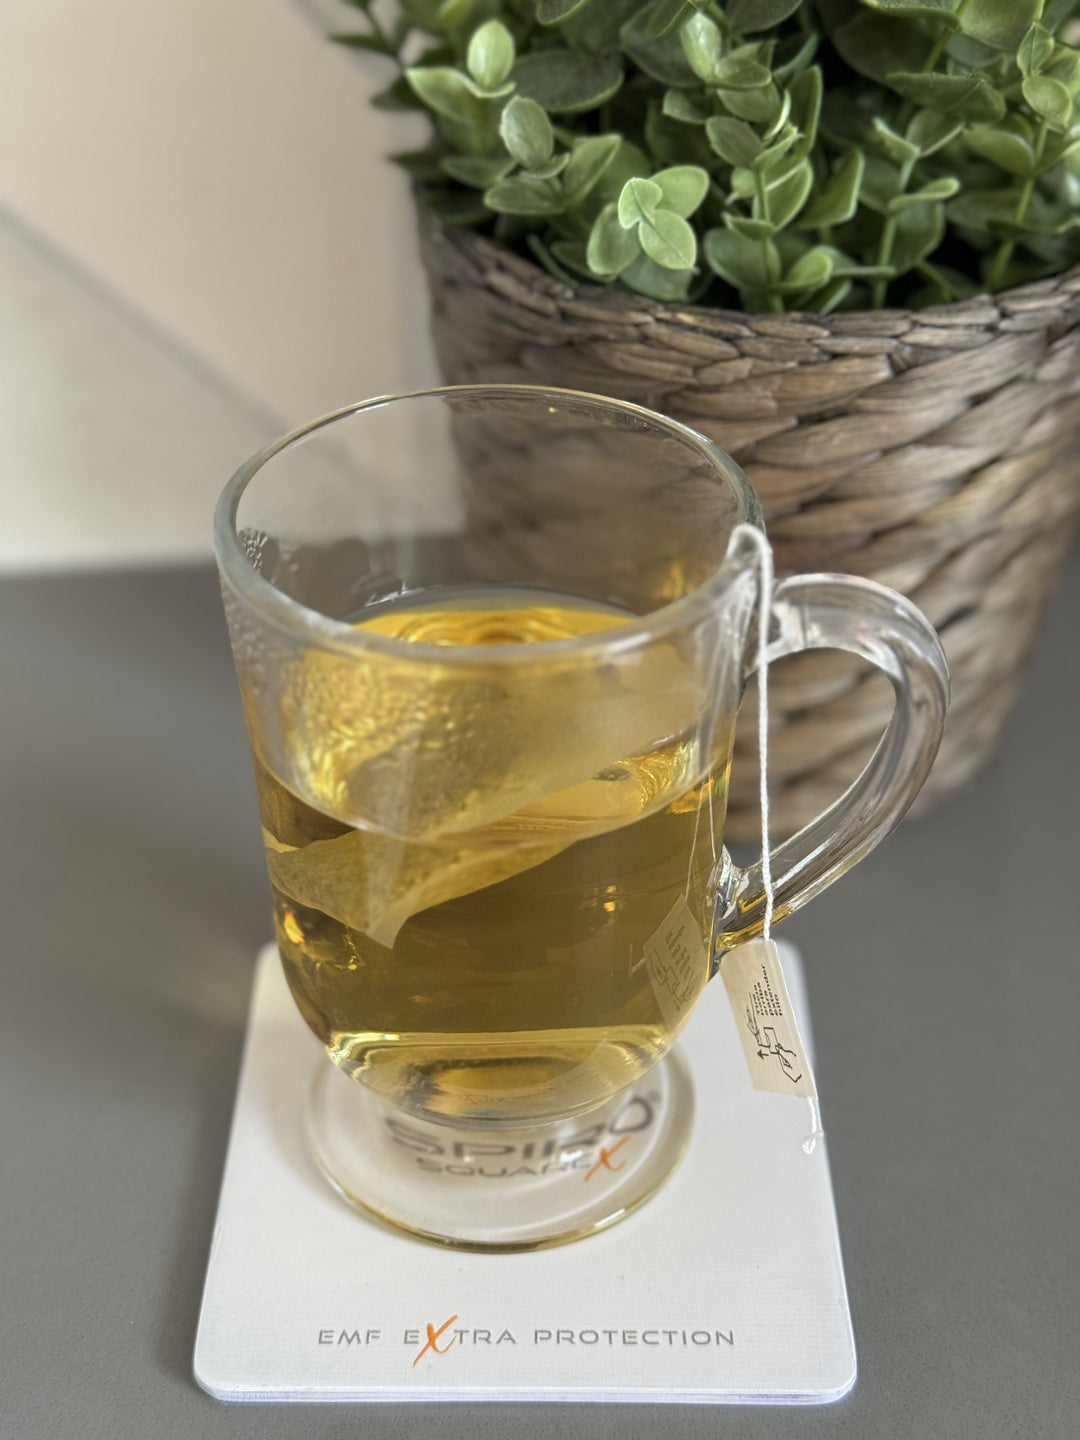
503, 1191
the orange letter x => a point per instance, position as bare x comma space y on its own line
432, 1336
604, 1163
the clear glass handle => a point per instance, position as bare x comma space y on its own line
840, 612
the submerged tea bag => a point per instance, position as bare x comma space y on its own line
456, 779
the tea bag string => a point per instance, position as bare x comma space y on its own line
765, 609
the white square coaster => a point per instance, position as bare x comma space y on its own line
727, 1286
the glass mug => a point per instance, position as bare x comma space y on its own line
491, 642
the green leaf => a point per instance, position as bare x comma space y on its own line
805, 92
733, 140
639, 201
563, 253
788, 196
660, 57
971, 96
1001, 24
702, 45
611, 247
591, 156
844, 265
996, 211
1005, 148
569, 253
1035, 50
669, 240
377, 43
522, 195
943, 189
918, 9
793, 55
829, 299
446, 91
1056, 12
838, 201
670, 142
896, 147
741, 70
1066, 68
876, 45
526, 132
478, 171
770, 157
970, 53
683, 188
399, 95
453, 14
742, 183
646, 277
423, 13
420, 164
749, 265
881, 181
782, 119
1054, 153
746, 16
555, 166
752, 229
490, 56
930, 130
1048, 98
919, 231
455, 207
761, 104
629, 162
551, 12
691, 107
810, 272
499, 93
666, 14
564, 82
595, 28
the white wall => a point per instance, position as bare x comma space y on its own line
201, 244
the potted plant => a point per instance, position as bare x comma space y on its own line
834, 235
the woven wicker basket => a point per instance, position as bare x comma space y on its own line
935, 451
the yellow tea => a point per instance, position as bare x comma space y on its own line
484, 962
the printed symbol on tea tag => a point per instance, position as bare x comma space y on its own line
677, 961
770, 1035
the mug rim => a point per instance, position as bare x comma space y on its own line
344, 638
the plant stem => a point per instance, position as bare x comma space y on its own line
934, 275
888, 238
772, 299
907, 110
995, 274
936, 50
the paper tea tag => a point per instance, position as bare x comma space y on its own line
774, 1049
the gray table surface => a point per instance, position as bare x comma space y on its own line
943, 982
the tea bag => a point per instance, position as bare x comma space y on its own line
429, 752
752, 973
461, 781
373, 883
